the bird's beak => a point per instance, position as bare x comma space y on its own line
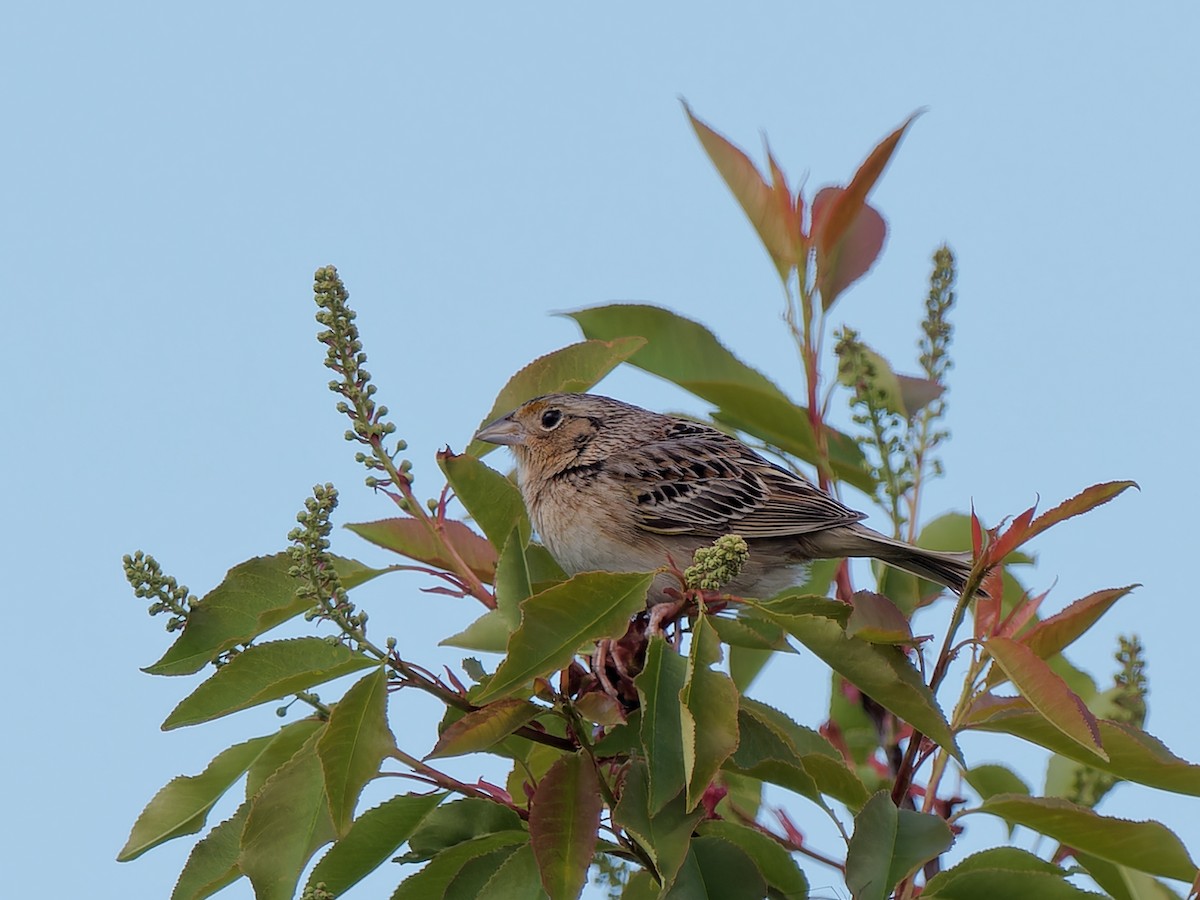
506, 431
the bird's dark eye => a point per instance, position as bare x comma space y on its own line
551, 419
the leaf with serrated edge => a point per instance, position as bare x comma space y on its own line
253, 598
658, 686
564, 815
283, 746
1047, 692
1122, 882
572, 369
182, 805
355, 742
1059, 631
413, 538
288, 821
373, 838
890, 843
433, 880
560, 620
493, 501
512, 579
1004, 873
212, 864
1085, 501
482, 728
1145, 846
667, 834
266, 672
708, 713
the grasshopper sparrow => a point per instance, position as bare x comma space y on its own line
614, 487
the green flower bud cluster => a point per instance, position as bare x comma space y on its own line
715, 566
145, 576
313, 565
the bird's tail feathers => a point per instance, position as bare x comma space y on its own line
947, 568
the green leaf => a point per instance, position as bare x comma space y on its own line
884, 381
876, 619
285, 743
774, 863
266, 672
474, 877
560, 620
372, 839
493, 501
1133, 754
717, 870
488, 634
658, 686
456, 822
746, 663
516, 878
990, 779
355, 742
412, 538
572, 369
482, 728
1047, 693
512, 580
564, 815
212, 864
1122, 882
667, 834
253, 598
708, 713
883, 672
1146, 846
889, 844
435, 878
182, 805
1003, 873
289, 820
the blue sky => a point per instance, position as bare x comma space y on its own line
173, 176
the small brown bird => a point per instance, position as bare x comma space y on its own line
613, 487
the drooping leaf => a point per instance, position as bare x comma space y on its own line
890, 843
564, 815
883, 672
412, 538
289, 820
775, 864
355, 742
1145, 846
708, 713
266, 672
665, 835
1004, 873
253, 598
212, 864
1047, 693
774, 221
574, 368
513, 585
372, 839
493, 501
560, 620
658, 686
601, 709
1133, 754
182, 805
482, 728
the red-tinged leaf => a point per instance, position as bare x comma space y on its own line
1047, 692
753, 194
976, 534
412, 538
564, 815
1021, 614
563, 618
792, 207
987, 612
877, 619
572, 369
831, 227
918, 393
483, 727
1014, 536
1145, 846
851, 258
1086, 500
355, 742
1055, 634
601, 709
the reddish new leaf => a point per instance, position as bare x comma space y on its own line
976, 533
1014, 536
412, 538
564, 815
1021, 614
757, 199
1060, 630
1047, 692
1086, 500
843, 263
792, 208
832, 226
